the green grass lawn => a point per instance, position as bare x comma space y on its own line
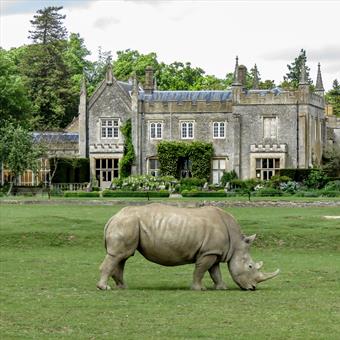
49, 267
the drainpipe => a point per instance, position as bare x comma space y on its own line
141, 139
297, 135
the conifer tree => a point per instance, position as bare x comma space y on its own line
47, 26
292, 78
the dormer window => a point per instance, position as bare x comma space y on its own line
109, 128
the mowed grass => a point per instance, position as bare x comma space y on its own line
49, 267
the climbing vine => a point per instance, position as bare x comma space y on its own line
199, 153
129, 152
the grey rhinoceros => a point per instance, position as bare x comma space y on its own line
173, 236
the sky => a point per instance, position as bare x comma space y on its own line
209, 34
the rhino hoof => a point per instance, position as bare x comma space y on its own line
103, 287
198, 287
221, 286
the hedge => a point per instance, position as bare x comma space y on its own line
81, 194
117, 193
194, 193
297, 175
268, 192
70, 170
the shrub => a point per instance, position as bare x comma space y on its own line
276, 181
333, 185
196, 193
297, 175
268, 192
290, 187
330, 193
317, 179
81, 194
228, 176
195, 182
307, 194
117, 193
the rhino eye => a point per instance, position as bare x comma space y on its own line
250, 266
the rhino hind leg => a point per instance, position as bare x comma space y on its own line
118, 274
108, 268
216, 276
203, 264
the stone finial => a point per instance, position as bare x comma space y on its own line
303, 77
256, 78
319, 84
109, 75
236, 80
134, 84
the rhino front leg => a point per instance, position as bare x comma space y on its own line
215, 273
107, 268
202, 265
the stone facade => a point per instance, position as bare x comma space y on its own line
254, 132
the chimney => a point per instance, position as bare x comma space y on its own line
148, 85
242, 75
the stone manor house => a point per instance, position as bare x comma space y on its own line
254, 132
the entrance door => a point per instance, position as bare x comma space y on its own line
106, 171
185, 167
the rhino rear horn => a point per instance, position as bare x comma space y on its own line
266, 276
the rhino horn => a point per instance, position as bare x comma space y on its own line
259, 265
266, 276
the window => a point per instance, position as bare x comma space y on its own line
44, 172
109, 128
156, 130
267, 167
26, 178
269, 128
154, 167
187, 130
106, 169
218, 167
219, 130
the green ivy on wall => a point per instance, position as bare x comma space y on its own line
129, 152
199, 153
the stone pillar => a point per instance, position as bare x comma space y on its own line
148, 86
135, 127
82, 109
236, 160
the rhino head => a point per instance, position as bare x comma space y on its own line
244, 271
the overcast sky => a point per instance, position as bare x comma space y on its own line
209, 34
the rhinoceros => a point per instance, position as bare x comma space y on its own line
172, 236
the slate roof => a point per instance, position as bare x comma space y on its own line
71, 137
127, 87
179, 96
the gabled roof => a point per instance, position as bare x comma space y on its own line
179, 96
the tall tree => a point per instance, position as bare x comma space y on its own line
292, 78
333, 97
18, 150
14, 104
48, 74
47, 26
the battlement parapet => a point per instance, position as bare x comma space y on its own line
282, 148
187, 106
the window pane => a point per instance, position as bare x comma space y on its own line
215, 164
97, 163
264, 163
222, 164
152, 163
109, 132
115, 132
277, 163
115, 173
258, 163
109, 163
271, 163
190, 130
115, 164
115, 122
184, 130
103, 163
109, 178
109, 122
222, 130
159, 130
103, 132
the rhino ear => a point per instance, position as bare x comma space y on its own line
250, 239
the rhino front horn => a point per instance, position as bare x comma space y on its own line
266, 276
